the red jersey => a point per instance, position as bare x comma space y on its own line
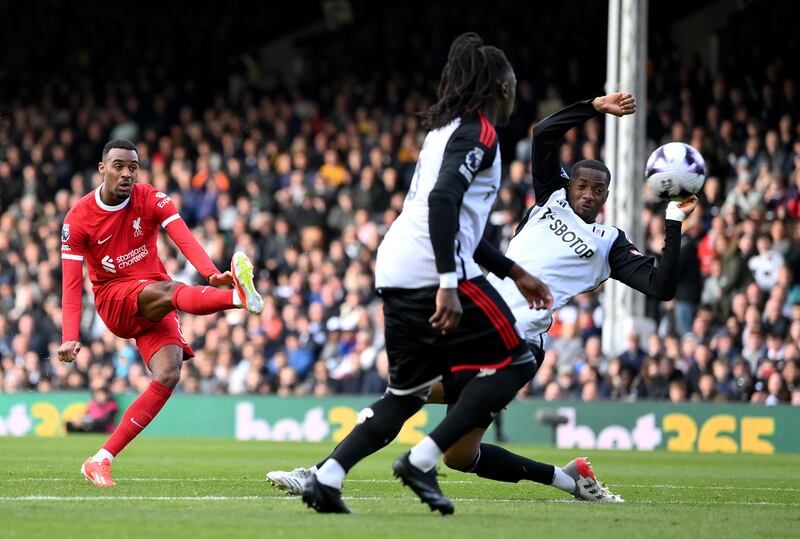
118, 244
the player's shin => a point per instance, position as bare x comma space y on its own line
202, 299
499, 464
138, 415
378, 425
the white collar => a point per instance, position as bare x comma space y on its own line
105, 206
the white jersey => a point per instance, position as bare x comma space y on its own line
568, 254
464, 151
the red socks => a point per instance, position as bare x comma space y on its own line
202, 299
138, 415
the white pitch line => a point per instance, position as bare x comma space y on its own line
393, 481
205, 480
704, 487
129, 498
363, 498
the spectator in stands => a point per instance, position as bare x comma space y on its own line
101, 412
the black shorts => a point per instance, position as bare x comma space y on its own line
420, 356
453, 383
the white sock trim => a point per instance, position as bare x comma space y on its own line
331, 474
425, 454
103, 454
562, 481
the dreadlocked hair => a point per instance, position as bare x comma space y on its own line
468, 80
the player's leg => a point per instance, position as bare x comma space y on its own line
374, 431
411, 375
159, 298
489, 461
165, 365
292, 482
378, 425
486, 344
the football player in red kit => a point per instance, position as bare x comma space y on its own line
114, 230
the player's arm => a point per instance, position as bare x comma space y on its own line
468, 151
179, 232
167, 216
72, 252
548, 176
533, 289
640, 272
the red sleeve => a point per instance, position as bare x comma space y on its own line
72, 250
183, 238
165, 214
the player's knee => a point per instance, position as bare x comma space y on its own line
168, 377
168, 291
166, 368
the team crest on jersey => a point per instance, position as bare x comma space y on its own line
137, 227
64, 233
599, 231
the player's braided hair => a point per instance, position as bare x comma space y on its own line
468, 80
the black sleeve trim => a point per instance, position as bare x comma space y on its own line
548, 175
490, 257
464, 156
630, 267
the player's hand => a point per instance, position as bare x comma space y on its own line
687, 205
678, 210
448, 310
618, 104
536, 293
68, 351
219, 279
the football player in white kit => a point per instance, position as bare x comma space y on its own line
442, 317
560, 241
573, 252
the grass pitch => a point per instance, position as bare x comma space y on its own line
211, 488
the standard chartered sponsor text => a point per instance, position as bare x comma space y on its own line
136, 255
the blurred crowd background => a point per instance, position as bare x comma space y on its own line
305, 166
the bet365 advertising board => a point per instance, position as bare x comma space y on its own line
712, 428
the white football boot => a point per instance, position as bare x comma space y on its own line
290, 482
587, 487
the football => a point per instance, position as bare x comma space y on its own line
675, 171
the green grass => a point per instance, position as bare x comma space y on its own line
162, 484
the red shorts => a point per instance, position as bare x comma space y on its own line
118, 305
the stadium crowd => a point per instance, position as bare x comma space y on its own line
307, 185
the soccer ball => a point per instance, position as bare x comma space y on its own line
675, 171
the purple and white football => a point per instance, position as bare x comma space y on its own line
675, 171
